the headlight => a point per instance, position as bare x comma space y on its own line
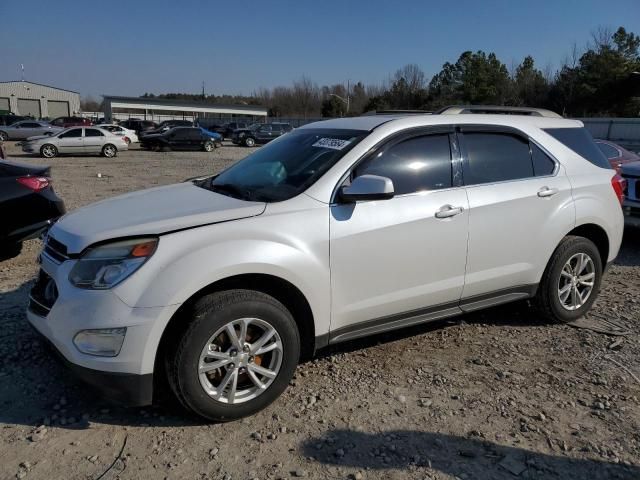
105, 266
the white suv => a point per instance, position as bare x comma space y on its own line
337, 230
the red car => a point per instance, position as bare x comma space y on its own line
616, 155
66, 122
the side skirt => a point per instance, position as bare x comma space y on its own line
425, 315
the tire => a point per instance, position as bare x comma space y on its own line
209, 146
249, 142
48, 151
4, 136
109, 151
560, 276
209, 321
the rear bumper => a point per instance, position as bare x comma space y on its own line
124, 388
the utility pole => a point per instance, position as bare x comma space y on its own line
348, 95
22, 69
203, 89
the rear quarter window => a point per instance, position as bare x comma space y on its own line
580, 141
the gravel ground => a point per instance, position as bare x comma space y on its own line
493, 395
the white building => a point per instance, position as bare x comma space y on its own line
38, 101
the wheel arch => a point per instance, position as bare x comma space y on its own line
282, 290
597, 235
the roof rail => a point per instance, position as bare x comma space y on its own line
397, 112
497, 109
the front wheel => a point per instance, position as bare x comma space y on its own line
571, 280
236, 357
109, 151
3, 136
48, 151
249, 142
209, 147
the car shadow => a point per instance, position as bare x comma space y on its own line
460, 457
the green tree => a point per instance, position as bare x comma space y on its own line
530, 86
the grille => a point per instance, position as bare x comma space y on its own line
43, 295
56, 250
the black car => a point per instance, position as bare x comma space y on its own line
259, 133
28, 205
229, 128
10, 119
179, 138
138, 125
167, 125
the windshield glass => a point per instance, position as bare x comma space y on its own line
285, 167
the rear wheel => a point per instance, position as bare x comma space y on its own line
109, 151
3, 136
48, 151
249, 142
209, 147
236, 357
571, 281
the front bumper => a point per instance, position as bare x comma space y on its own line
127, 377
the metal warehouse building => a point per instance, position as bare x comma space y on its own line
38, 101
154, 108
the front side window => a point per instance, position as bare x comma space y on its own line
287, 166
413, 165
496, 157
74, 133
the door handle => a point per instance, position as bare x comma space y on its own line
547, 192
447, 211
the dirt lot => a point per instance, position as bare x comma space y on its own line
494, 395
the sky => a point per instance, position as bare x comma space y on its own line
133, 47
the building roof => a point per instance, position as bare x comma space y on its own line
169, 102
40, 85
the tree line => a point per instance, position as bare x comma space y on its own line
601, 79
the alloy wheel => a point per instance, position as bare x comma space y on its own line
240, 360
576, 282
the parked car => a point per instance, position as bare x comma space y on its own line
631, 174
66, 122
338, 230
167, 125
179, 138
27, 128
217, 128
76, 141
229, 128
138, 126
216, 137
10, 119
259, 134
616, 155
129, 136
28, 205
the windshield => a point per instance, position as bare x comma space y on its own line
285, 167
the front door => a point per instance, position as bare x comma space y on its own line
71, 141
403, 257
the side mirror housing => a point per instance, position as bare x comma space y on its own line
367, 187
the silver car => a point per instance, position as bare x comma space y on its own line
76, 141
27, 128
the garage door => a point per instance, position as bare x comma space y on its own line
58, 108
4, 104
29, 107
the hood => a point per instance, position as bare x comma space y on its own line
631, 168
149, 212
35, 138
151, 136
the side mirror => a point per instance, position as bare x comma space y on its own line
367, 187
48, 134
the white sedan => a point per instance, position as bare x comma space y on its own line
129, 136
76, 141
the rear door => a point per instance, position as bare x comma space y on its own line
93, 140
520, 205
179, 139
263, 134
71, 141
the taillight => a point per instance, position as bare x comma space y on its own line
619, 185
34, 183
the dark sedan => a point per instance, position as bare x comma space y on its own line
179, 138
28, 205
259, 134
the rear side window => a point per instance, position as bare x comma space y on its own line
580, 141
542, 163
496, 157
413, 165
92, 132
76, 132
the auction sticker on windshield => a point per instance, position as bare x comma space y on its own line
333, 143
